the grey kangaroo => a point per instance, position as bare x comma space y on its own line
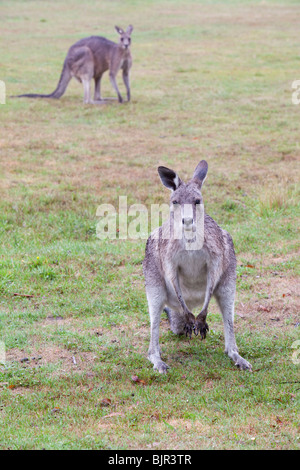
88, 59
181, 274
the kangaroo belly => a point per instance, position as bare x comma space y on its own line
192, 277
192, 281
192, 297
193, 294
101, 65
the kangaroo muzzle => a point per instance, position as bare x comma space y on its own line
187, 223
187, 217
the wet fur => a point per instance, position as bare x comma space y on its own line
178, 280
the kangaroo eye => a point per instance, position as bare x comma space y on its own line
197, 201
175, 202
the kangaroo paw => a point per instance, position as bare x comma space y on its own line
189, 325
201, 327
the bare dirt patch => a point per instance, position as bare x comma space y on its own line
50, 354
279, 306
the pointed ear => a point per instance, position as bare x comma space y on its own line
169, 178
200, 172
119, 30
129, 29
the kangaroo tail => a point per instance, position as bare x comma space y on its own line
65, 77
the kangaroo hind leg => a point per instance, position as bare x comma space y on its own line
97, 95
225, 298
177, 321
86, 90
82, 67
155, 297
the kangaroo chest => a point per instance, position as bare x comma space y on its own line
192, 267
125, 62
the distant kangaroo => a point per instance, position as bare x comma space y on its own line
187, 262
90, 58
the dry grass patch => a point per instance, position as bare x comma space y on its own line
50, 354
278, 305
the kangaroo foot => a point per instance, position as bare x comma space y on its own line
161, 367
239, 361
242, 364
158, 364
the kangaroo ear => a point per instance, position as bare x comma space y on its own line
119, 30
169, 178
129, 29
200, 172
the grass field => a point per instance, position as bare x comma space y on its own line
210, 79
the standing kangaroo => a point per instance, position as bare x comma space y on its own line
90, 58
180, 276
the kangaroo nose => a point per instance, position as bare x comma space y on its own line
187, 221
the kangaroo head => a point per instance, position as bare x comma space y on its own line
186, 198
125, 38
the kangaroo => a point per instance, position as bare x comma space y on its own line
181, 274
90, 58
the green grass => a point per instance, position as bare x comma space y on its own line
210, 79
